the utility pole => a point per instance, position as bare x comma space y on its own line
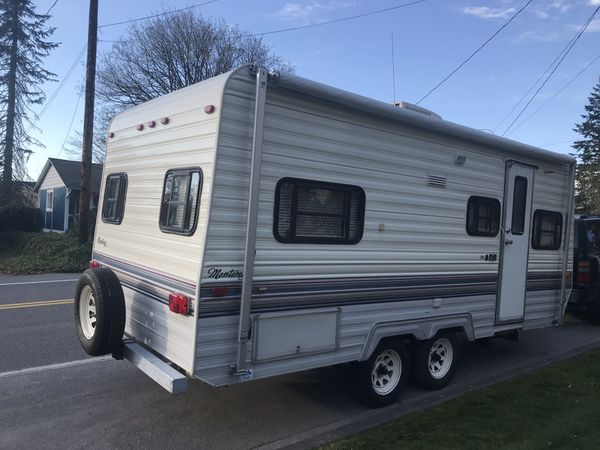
88, 124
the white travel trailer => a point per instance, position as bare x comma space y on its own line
257, 224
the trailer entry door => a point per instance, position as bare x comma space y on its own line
516, 221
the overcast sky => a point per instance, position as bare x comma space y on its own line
431, 39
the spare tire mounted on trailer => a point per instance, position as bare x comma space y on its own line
99, 311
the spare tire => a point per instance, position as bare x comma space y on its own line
99, 311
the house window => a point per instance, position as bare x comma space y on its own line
114, 198
483, 216
317, 212
547, 230
181, 194
49, 200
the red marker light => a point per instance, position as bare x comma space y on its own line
93, 264
220, 291
179, 303
151, 124
209, 109
111, 135
164, 120
140, 127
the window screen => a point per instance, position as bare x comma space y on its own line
317, 212
181, 195
519, 206
483, 216
114, 198
547, 230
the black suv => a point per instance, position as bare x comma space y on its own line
586, 279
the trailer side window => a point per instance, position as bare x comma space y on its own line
483, 216
317, 212
547, 230
114, 198
181, 194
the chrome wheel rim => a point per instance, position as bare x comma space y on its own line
87, 312
386, 373
440, 359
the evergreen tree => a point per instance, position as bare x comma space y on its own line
587, 150
23, 44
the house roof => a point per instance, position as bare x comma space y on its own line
70, 173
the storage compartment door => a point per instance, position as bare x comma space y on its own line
286, 335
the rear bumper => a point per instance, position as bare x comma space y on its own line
161, 372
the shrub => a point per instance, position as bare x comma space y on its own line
19, 218
28, 253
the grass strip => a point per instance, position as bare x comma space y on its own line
554, 407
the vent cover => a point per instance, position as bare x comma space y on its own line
437, 180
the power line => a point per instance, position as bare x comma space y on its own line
51, 7
559, 91
568, 50
475, 52
343, 19
524, 96
158, 15
59, 87
71, 123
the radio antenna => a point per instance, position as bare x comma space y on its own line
393, 69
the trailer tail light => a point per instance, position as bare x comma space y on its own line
583, 272
179, 303
93, 264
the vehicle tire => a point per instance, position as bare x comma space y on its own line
594, 311
99, 311
380, 379
434, 360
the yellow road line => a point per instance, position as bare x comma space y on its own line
36, 304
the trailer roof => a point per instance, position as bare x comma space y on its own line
355, 101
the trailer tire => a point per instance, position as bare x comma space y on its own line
99, 311
434, 360
380, 379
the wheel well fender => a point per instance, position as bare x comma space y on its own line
416, 330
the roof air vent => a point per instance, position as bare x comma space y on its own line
417, 109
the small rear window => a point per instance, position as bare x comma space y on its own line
181, 197
114, 198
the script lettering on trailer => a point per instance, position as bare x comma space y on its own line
217, 273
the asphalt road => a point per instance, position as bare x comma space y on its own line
53, 396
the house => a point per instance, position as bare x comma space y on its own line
58, 192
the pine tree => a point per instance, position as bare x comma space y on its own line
23, 44
588, 152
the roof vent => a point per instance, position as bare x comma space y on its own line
437, 180
417, 109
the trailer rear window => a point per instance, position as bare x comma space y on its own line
180, 200
114, 198
308, 211
483, 216
547, 230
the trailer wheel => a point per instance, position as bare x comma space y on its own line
434, 360
99, 311
380, 379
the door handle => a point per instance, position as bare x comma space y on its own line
508, 241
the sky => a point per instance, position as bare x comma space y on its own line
400, 53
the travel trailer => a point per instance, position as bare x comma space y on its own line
258, 224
